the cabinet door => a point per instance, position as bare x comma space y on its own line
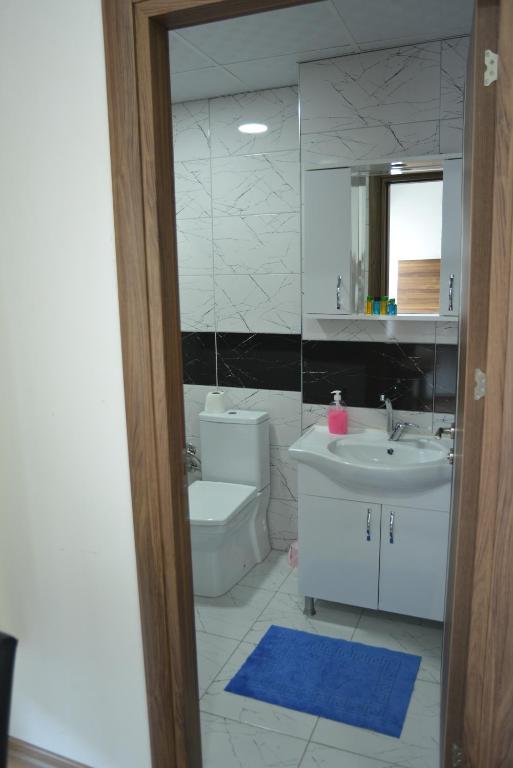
327, 242
450, 267
413, 562
339, 550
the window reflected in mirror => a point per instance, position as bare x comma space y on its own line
405, 239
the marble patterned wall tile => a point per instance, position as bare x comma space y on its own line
194, 237
366, 418
199, 358
259, 360
276, 108
363, 371
282, 518
443, 420
367, 145
269, 243
361, 418
197, 303
194, 397
284, 409
191, 131
193, 189
386, 330
447, 332
258, 303
454, 70
396, 85
283, 475
417, 139
267, 183
451, 136
312, 413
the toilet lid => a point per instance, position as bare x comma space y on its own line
216, 503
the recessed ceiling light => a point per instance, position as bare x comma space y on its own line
253, 128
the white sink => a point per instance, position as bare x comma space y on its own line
369, 461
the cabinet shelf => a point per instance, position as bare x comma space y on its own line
393, 318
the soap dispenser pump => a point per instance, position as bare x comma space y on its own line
337, 415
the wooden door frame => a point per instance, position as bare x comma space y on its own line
138, 85
478, 653
139, 104
487, 722
479, 149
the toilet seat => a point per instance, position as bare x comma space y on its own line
214, 504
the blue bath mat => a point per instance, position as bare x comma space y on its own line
356, 684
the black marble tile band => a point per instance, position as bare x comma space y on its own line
365, 370
199, 358
446, 378
259, 360
416, 377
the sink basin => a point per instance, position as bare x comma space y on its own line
369, 461
377, 454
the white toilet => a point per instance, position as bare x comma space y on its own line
228, 507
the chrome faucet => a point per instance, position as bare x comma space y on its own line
395, 431
399, 429
390, 412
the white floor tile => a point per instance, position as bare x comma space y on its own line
233, 614
217, 701
318, 756
399, 633
270, 574
286, 610
228, 744
419, 742
291, 584
212, 654
246, 733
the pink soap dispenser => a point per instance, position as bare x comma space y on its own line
337, 415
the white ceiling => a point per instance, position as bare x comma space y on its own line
263, 50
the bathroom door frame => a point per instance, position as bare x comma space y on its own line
139, 105
138, 88
478, 652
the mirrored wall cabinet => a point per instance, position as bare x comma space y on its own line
386, 230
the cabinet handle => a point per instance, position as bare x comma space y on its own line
391, 528
369, 517
339, 285
451, 293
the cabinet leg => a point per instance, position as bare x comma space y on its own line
309, 609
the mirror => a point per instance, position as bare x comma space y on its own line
398, 235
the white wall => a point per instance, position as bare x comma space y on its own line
67, 569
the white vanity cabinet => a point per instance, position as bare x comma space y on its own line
372, 555
413, 561
339, 550
336, 240
327, 242
450, 265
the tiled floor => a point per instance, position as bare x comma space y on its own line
244, 733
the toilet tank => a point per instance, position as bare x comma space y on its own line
235, 447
